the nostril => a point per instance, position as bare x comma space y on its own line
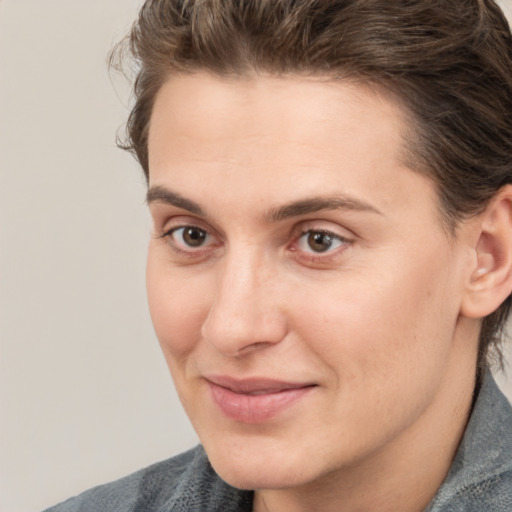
243, 334
253, 347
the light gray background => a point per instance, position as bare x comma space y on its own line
85, 396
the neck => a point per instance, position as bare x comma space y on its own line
406, 473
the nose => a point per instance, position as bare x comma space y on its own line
245, 314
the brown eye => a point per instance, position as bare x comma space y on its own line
319, 242
189, 236
194, 237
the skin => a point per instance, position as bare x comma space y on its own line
376, 322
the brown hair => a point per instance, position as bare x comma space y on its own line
448, 61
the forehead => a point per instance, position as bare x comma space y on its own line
291, 104
260, 135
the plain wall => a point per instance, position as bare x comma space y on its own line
85, 395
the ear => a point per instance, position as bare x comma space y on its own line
490, 282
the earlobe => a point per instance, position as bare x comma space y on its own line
490, 282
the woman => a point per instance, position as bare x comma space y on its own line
331, 260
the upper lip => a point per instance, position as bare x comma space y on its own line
255, 384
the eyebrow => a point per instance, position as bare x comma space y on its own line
318, 204
293, 209
158, 194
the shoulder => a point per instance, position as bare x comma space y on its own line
493, 494
185, 483
481, 474
147, 489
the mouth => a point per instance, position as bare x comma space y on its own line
255, 400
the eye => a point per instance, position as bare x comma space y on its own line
191, 236
319, 241
188, 237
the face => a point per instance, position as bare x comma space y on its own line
304, 292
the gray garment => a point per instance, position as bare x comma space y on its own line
480, 478
186, 483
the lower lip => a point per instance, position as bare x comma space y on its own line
246, 408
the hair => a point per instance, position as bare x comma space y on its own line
449, 63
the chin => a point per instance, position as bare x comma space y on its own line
255, 469
261, 477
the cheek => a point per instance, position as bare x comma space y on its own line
397, 319
176, 306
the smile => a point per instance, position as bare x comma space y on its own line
254, 400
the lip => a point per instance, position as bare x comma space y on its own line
255, 400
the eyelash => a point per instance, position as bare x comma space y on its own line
190, 252
326, 255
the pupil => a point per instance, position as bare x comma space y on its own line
319, 242
194, 237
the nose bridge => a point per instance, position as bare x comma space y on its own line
244, 312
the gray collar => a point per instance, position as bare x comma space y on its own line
485, 453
